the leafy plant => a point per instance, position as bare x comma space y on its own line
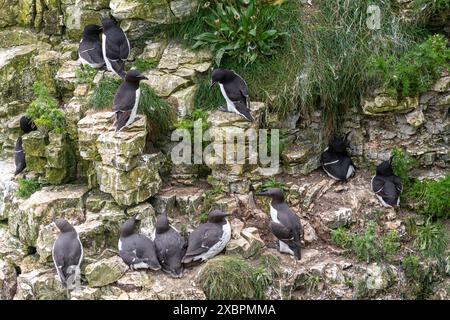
241, 30
432, 239
27, 187
341, 237
366, 246
273, 183
85, 75
232, 277
402, 164
44, 110
432, 197
145, 64
312, 282
416, 70
391, 244
104, 93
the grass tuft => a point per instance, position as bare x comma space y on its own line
27, 187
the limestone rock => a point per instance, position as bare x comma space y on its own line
66, 77
45, 240
8, 280
8, 187
106, 271
85, 293
134, 281
189, 201
11, 249
383, 103
442, 85
132, 187
42, 207
183, 101
153, 51
73, 112
164, 201
164, 84
247, 244
380, 277
76, 18
89, 129
40, 284
339, 218
122, 150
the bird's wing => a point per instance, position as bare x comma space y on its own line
124, 49
122, 118
206, 237
398, 184
244, 110
124, 99
337, 166
281, 232
290, 219
377, 184
91, 52
129, 257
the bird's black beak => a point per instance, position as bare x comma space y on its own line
212, 84
262, 194
143, 78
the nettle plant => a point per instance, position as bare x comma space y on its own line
241, 29
45, 111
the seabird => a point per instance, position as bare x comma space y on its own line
67, 254
135, 249
127, 98
209, 239
90, 51
170, 247
335, 160
115, 46
19, 157
235, 91
285, 224
386, 185
27, 125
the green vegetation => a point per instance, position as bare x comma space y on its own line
402, 164
104, 93
432, 239
428, 8
416, 70
421, 276
232, 277
431, 197
271, 264
85, 75
273, 183
44, 110
145, 64
368, 246
27, 187
312, 282
157, 110
242, 30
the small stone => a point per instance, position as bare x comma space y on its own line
339, 218
40, 284
106, 271
8, 280
415, 118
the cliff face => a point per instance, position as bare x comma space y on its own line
97, 178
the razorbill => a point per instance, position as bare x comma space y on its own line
135, 249
90, 51
19, 157
285, 225
209, 239
335, 160
115, 46
67, 253
27, 125
386, 185
127, 98
235, 91
170, 247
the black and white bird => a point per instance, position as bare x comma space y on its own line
335, 160
67, 254
235, 91
209, 239
115, 46
170, 247
90, 51
285, 225
137, 250
27, 125
386, 185
127, 98
19, 157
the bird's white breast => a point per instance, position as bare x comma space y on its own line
230, 104
219, 246
135, 108
274, 214
108, 63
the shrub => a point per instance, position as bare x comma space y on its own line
273, 183
85, 75
240, 29
104, 93
432, 239
391, 244
341, 237
366, 246
402, 164
232, 277
145, 64
27, 187
432, 197
44, 110
416, 70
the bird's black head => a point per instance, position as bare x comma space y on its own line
63, 225
385, 168
108, 23
217, 216
128, 227
339, 144
162, 224
26, 124
221, 76
92, 31
276, 194
135, 76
